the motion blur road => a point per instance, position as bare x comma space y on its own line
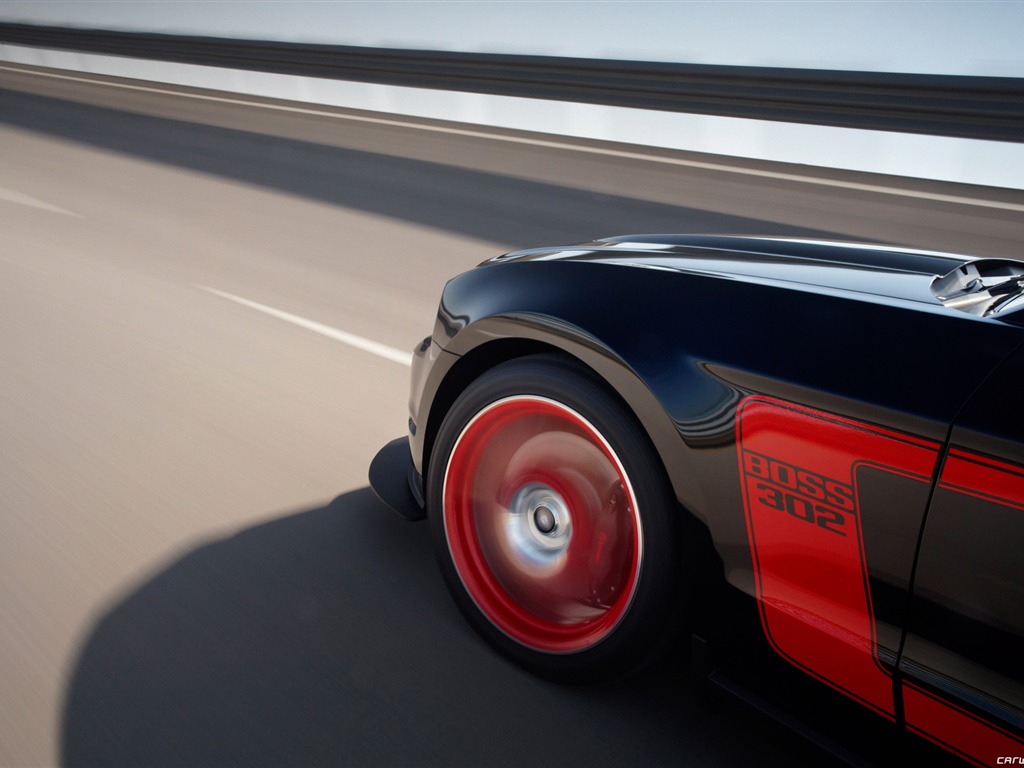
205, 312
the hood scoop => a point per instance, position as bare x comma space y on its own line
983, 287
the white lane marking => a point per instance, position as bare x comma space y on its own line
560, 145
13, 196
25, 266
366, 345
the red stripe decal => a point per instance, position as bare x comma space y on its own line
798, 469
968, 737
949, 726
983, 478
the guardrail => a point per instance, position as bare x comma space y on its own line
942, 105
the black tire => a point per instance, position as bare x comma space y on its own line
554, 524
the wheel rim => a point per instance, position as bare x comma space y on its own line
542, 524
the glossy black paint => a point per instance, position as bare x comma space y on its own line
681, 328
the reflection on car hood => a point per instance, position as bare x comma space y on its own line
879, 270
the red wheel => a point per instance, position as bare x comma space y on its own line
539, 524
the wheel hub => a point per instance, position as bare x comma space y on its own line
539, 526
545, 520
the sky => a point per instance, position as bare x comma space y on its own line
972, 37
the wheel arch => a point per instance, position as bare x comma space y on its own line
463, 371
494, 340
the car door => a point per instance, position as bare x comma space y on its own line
961, 668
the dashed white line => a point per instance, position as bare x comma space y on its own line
561, 145
366, 345
25, 266
13, 196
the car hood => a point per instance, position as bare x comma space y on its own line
879, 270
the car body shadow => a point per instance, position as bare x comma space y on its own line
489, 206
326, 638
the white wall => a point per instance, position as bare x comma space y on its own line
971, 37
975, 38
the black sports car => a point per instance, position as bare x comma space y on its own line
619, 439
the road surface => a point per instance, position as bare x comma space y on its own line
206, 310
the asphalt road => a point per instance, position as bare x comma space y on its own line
192, 568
